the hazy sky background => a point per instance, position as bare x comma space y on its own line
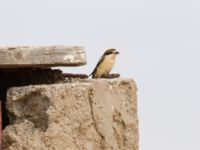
159, 43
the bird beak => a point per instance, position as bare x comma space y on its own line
117, 52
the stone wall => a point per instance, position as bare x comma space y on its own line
76, 115
21, 77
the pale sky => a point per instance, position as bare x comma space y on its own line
159, 43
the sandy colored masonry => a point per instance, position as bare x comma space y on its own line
79, 115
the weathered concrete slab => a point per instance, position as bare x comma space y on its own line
79, 115
41, 56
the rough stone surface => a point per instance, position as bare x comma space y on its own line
24, 76
80, 115
41, 56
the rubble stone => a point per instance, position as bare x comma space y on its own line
89, 114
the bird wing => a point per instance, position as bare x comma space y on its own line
95, 69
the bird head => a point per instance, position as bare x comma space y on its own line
111, 52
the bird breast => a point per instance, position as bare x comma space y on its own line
106, 65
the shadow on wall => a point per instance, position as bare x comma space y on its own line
21, 77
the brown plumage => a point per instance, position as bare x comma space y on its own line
105, 63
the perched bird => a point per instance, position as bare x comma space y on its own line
105, 64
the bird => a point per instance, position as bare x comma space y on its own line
105, 63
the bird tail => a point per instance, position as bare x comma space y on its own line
90, 74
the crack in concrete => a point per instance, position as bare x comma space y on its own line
102, 144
